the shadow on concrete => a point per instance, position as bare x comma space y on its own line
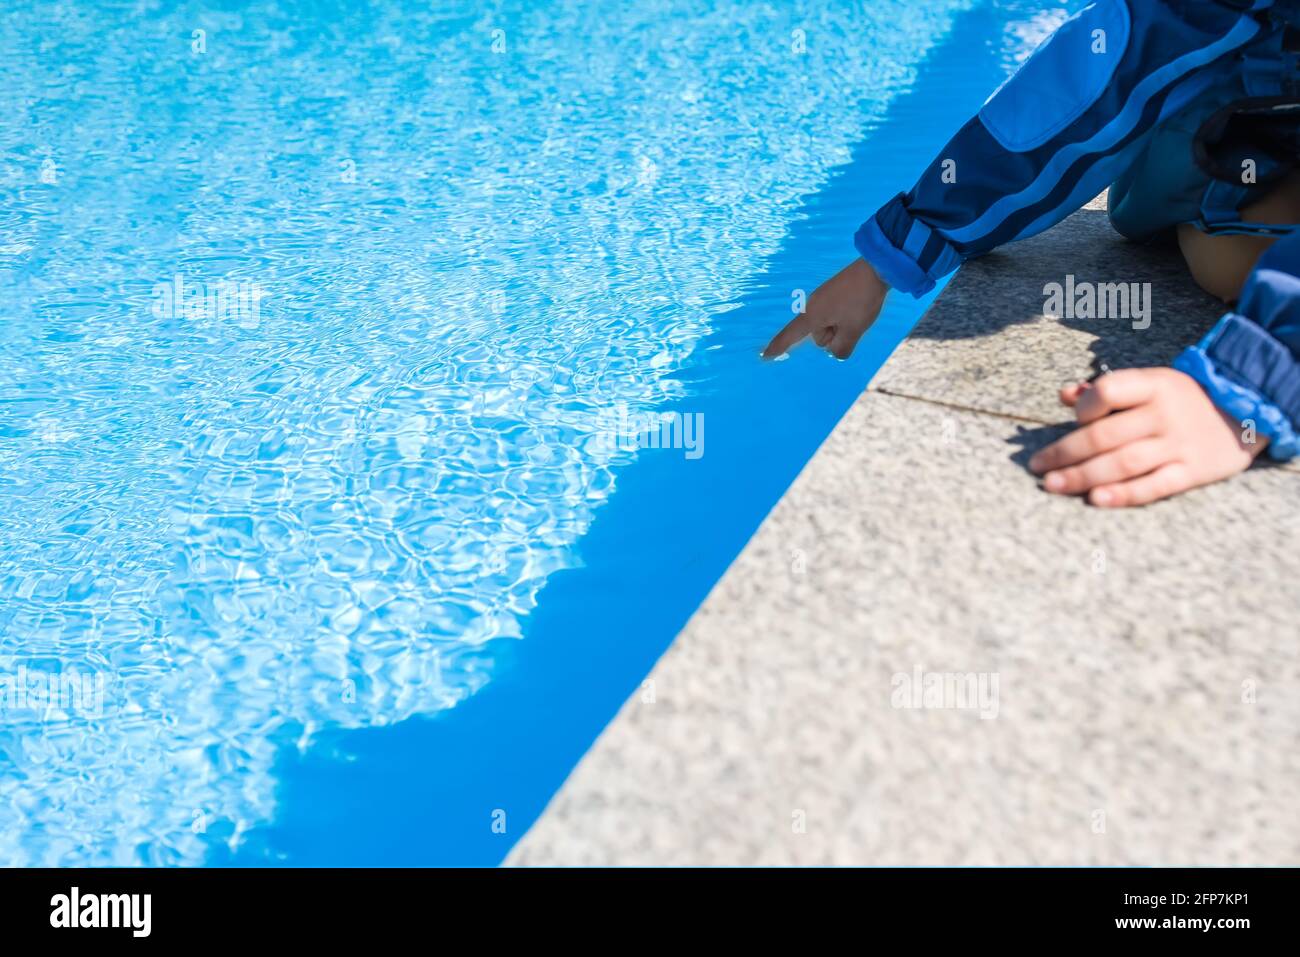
1003, 289
1029, 440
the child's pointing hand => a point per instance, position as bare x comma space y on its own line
839, 311
1144, 434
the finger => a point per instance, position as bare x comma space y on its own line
823, 336
1167, 480
845, 341
1113, 391
1089, 440
1070, 394
793, 333
1126, 462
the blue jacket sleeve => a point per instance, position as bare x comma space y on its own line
1249, 363
1057, 132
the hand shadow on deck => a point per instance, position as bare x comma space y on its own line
1002, 289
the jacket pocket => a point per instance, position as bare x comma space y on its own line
1061, 80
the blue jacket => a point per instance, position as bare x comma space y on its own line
1096, 106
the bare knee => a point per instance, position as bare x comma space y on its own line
1220, 264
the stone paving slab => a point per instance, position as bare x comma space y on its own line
986, 343
1147, 662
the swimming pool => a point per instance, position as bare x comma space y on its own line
328, 336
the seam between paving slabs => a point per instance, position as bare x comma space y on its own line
961, 407
1032, 420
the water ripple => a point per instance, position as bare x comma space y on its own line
319, 500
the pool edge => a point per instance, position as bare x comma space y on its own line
1132, 648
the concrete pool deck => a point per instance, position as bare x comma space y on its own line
1139, 669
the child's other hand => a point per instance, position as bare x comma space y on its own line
1164, 437
839, 311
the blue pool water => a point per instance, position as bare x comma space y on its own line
317, 321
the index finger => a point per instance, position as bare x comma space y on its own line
1114, 391
794, 332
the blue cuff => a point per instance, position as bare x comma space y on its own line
905, 252
1210, 363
